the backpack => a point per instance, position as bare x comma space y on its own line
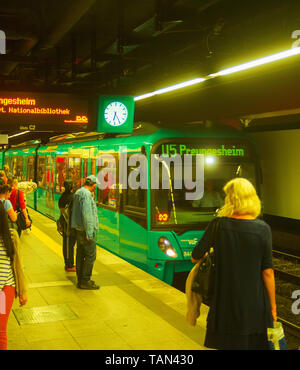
21, 221
64, 220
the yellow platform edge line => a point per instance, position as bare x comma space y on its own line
55, 247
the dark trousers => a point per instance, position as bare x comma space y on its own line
68, 249
85, 257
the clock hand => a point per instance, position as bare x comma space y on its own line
115, 115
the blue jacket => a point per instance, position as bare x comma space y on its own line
84, 212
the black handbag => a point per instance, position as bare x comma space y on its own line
61, 225
21, 221
203, 283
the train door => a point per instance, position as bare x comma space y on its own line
8, 162
74, 170
84, 170
133, 218
49, 182
15, 166
108, 203
30, 163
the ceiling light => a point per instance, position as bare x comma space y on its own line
170, 88
20, 133
258, 62
179, 86
241, 67
144, 96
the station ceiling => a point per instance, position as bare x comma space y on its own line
132, 47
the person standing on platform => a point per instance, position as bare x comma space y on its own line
5, 191
85, 221
7, 171
65, 204
243, 304
3, 176
17, 201
12, 280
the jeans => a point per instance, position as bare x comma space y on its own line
68, 249
85, 257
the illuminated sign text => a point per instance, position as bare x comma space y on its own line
181, 149
40, 111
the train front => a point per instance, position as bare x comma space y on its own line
187, 180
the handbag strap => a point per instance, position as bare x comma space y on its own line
18, 201
215, 231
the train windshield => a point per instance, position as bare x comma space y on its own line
188, 189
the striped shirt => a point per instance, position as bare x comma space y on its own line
6, 271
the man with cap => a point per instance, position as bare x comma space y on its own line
85, 222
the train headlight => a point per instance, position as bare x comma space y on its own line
166, 246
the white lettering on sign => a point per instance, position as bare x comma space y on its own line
2, 42
296, 35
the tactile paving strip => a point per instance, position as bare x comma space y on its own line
37, 315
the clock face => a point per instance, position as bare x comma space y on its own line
115, 113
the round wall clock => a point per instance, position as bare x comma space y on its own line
116, 113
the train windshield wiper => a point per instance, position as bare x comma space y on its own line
238, 171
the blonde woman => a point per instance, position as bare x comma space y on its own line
244, 304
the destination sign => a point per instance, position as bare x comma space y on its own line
217, 149
44, 112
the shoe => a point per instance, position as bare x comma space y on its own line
70, 269
90, 285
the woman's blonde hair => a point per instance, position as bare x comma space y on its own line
240, 199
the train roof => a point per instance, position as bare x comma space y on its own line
143, 132
151, 130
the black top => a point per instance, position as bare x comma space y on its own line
243, 249
66, 198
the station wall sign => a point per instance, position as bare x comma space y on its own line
44, 112
115, 114
4, 139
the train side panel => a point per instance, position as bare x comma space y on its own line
127, 216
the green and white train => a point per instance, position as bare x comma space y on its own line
155, 229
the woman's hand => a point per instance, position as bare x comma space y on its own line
200, 260
23, 299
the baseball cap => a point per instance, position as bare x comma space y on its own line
92, 179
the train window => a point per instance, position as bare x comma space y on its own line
60, 173
108, 193
41, 171
8, 162
74, 171
93, 166
14, 166
135, 199
30, 168
49, 178
85, 170
18, 167
171, 205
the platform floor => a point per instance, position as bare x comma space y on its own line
132, 310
